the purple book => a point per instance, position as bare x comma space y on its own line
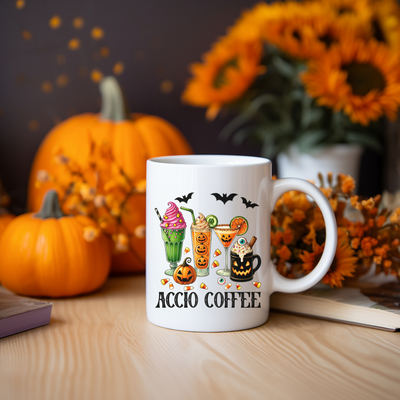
18, 314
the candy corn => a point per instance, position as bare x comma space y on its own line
257, 284
228, 286
215, 264
171, 286
203, 286
238, 287
186, 288
217, 253
187, 250
164, 281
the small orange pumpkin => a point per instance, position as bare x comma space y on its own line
46, 254
185, 274
133, 139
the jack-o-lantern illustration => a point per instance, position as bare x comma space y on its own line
226, 238
201, 249
202, 262
242, 269
201, 238
185, 273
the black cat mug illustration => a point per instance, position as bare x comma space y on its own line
242, 260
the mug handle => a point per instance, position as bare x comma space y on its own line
282, 284
258, 263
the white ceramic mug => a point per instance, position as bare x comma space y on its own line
195, 280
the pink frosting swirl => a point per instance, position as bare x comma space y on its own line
173, 218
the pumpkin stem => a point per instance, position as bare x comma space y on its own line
113, 102
50, 206
186, 261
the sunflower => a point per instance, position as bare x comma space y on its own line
307, 31
385, 22
360, 78
251, 23
344, 263
348, 11
225, 74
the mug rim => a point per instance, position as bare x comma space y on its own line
211, 160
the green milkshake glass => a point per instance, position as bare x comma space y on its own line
173, 242
173, 230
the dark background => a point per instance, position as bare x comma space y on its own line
155, 40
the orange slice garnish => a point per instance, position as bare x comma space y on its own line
241, 223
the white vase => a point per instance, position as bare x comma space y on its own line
338, 158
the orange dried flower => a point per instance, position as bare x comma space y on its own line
140, 231
367, 244
90, 233
368, 204
327, 192
354, 200
382, 251
121, 242
287, 236
276, 238
355, 243
395, 217
318, 222
377, 260
286, 222
310, 237
284, 253
348, 184
334, 203
387, 263
356, 229
298, 215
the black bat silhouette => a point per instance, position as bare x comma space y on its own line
185, 199
224, 198
249, 203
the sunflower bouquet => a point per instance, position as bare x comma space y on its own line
313, 73
368, 233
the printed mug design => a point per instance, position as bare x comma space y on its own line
238, 264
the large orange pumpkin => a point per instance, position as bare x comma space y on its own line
46, 254
133, 139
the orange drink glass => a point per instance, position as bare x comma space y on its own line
225, 234
201, 241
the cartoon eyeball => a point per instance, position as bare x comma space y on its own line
242, 241
221, 281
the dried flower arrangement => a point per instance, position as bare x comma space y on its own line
298, 233
101, 190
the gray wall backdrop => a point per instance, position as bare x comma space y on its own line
42, 81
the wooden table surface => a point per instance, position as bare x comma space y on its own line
101, 346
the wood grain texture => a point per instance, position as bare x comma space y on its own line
101, 346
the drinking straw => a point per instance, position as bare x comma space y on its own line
189, 209
165, 230
159, 216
